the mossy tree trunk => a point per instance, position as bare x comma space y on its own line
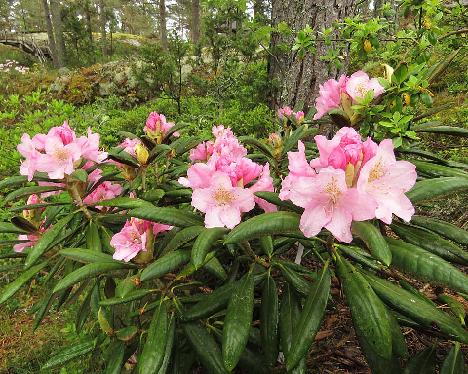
56, 9
296, 80
50, 32
162, 23
195, 24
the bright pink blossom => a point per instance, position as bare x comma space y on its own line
359, 84
157, 125
285, 112
222, 203
29, 240
299, 116
385, 181
202, 151
329, 96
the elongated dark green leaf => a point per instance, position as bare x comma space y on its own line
44, 307
93, 240
210, 303
262, 147
23, 224
269, 312
169, 345
266, 243
165, 264
421, 312
153, 195
293, 138
11, 288
431, 242
399, 347
89, 271
374, 240
215, 268
360, 256
169, 216
203, 244
422, 363
272, 197
437, 187
435, 170
7, 227
13, 181
87, 256
115, 361
370, 317
264, 224
443, 228
152, 355
26, 191
124, 203
310, 319
69, 353
415, 260
46, 241
131, 296
206, 348
182, 237
446, 130
238, 321
296, 280
84, 309
456, 308
454, 363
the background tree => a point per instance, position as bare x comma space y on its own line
56, 9
50, 33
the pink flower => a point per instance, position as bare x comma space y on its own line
51, 184
285, 112
329, 96
198, 175
28, 150
59, 159
157, 126
90, 147
328, 202
385, 181
299, 116
359, 84
227, 146
222, 203
133, 238
105, 191
31, 240
130, 145
264, 183
64, 133
202, 151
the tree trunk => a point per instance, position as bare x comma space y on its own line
162, 23
50, 32
259, 10
102, 26
377, 6
298, 79
195, 27
89, 27
58, 31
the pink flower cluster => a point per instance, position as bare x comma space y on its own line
351, 180
28, 240
134, 238
220, 183
286, 113
157, 127
58, 152
356, 87
104, 191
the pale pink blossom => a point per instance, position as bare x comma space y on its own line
130, 145
105, 191
329, 96
285, 112
264, 183
28, 150
385, 180
299, 116
359, 84
90, 147
29, 240
64, 133
221, 202
202, 151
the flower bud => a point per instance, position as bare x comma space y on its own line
142, 154
407, 98
367, 46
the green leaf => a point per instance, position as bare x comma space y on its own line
437, 187
153, 195
165, 264
130, 296
238, 321
169, 345
431, 242
127, 333
169, 216
87, 256
269, 320
416, 261
457, 308
374, 240
294, 279
69, 353
7, 228
435, 170
446, 130
46, 241
422, 363
13, 181
272, 197
266, 243
310, 319
368, 312
399, 347
182, 237
93, 240
205, 347
115, 362
124, 203
292, 139
205, 240
262, 147
11, 288
210, 303
453, 363
264, 224
416, 309
290, 312
215, 267
154, 349
443, 228
89, 271
26, 191
44, 307
103, 317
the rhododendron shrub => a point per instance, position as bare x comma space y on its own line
175, 247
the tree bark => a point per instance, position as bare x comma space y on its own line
297, 80
89, 27
195, 27
162, 23
58, 31
102, 26
50, 32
